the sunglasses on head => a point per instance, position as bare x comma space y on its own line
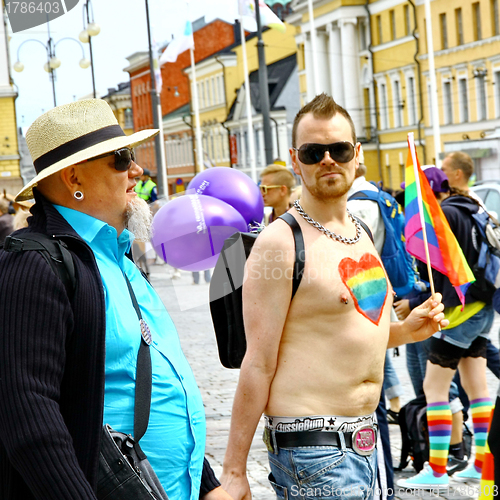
341, 152
263, 188
123, 158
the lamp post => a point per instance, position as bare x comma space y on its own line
90, 29
52, 61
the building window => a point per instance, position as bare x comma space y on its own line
459, 26
495, 27
444, 31
447, 103
407, 20
392, 18
412, 104
463, 99
362, 35
129, 118
398, 110
384, 112
476, 21
379, 29
481, 97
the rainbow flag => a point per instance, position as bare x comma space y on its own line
445, 253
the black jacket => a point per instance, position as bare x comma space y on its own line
52, 361
458, 210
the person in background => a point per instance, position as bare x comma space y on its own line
276, 185
462, 345
6, 219
459, 168
146, 188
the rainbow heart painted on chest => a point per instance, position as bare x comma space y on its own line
367, 285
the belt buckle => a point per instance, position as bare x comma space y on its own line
364, 440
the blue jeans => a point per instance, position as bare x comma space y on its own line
323, 473
392, 385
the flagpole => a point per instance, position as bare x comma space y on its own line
248, 102
313, 47
411, 144
432, 78
199, 144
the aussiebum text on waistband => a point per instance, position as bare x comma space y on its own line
318, 423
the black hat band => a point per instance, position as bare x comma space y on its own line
79, 144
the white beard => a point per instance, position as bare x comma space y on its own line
139, 219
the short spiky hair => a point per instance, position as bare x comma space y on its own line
322, 106
462, 161
282, 175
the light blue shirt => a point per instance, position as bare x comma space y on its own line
175, 439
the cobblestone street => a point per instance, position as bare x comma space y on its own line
217, 384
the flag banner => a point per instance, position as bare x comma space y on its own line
444, 252
246, 9
156, 68
178, 45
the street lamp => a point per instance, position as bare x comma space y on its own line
90, 29
52, 61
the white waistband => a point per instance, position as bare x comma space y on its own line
319, 423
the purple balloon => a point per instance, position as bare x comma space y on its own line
233, 187
189, 231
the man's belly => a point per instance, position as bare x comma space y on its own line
335, 373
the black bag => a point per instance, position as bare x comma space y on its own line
415, 434
226, 285
226, 304
124, 470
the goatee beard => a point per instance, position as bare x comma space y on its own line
139, 219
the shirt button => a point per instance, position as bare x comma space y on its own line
110, 231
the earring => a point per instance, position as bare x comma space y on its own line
78, 195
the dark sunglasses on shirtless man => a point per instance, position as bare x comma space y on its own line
341, 152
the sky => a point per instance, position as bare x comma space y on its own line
123, 32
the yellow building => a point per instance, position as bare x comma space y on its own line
10, 174
222, 102
121, 103
372, 57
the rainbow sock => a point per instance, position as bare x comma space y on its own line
439, 422
481, 412
487, 485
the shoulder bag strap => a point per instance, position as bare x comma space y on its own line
365, 227
143, 382
300, 254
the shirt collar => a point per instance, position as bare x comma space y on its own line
88, 227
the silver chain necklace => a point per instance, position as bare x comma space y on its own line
331, 234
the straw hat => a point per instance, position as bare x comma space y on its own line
73, 133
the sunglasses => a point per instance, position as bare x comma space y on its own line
263, 189
123, 158
341, 152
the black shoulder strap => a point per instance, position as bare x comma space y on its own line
365, 227
54, 251
300, 254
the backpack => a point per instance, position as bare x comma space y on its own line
415, 434
397, 261
54, 251
486, 240
226, 285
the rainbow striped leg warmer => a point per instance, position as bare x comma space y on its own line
481, 414
487, 485
439, 422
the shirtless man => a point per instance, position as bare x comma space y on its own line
317, 362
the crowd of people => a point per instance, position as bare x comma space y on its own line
317, 366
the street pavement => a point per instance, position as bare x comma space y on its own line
188, 305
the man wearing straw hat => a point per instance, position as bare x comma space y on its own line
68, 364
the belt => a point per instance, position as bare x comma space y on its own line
362, 440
